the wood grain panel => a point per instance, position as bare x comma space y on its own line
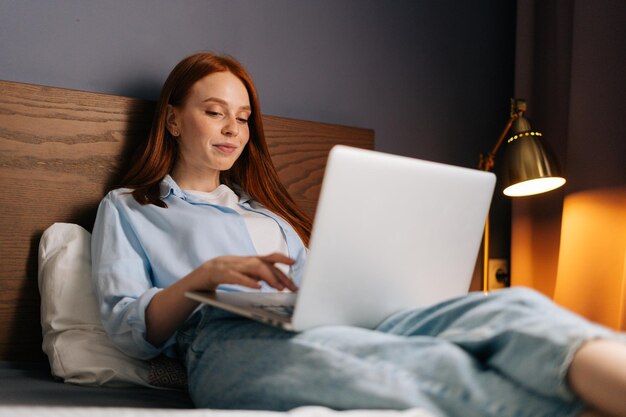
61, 149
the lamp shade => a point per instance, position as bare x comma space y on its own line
530, 167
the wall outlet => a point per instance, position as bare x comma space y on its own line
498, 273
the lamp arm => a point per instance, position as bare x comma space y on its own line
485, 164
487, 160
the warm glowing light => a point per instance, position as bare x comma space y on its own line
532, 187
591, 277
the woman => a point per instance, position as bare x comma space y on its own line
203, 207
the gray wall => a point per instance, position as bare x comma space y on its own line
433, 78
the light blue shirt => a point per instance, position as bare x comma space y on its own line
137, 250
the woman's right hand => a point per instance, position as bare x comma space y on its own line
169, 308
245, 270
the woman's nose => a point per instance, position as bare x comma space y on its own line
231, 128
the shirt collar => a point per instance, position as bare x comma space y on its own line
244, 197
169, 187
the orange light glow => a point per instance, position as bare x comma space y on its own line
591, 278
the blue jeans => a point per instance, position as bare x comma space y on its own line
502, 354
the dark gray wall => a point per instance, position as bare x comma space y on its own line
433, 78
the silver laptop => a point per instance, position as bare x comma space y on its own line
390, 233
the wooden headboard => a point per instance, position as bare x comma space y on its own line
61, 149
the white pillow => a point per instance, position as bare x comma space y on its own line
77, 346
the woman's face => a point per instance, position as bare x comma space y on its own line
211, 126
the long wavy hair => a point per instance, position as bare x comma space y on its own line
253, 171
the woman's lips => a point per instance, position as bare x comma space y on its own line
225, 148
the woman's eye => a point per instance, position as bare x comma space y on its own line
242, 120
213, 113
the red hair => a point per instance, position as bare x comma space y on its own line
253, 171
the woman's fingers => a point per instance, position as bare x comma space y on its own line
248, 271
242, 279
262, 270
275, 258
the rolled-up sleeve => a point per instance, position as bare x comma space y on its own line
122, 281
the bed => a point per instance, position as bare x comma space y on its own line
60, 150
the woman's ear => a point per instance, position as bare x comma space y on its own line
171, 121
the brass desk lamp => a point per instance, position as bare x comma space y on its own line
530, 168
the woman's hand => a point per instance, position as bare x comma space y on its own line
169, 308
247, 271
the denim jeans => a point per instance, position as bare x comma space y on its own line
502, 354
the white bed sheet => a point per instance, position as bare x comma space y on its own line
28, 411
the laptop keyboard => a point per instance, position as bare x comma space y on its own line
283, 310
